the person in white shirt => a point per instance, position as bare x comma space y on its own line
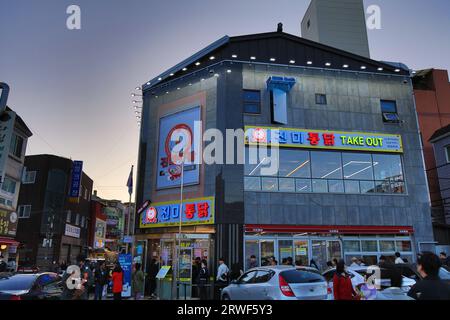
221, 277
398, 258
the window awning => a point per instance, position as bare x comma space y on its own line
8, 241
329, 229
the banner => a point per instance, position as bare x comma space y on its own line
125, 262
166, 214
323, 139
75, 184
174, 129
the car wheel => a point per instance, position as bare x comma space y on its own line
226, 297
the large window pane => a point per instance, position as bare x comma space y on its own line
284, 250
357, 166
303, 185
252, 183
319, 185
269, 184
367, 186
326, 165
301, 252
294, 164
387, 246
351, 186
369, 245
251, 249
286, 184
404, 245
267, 251
387, 166
336, 186
382, 187
254, 162
352, 245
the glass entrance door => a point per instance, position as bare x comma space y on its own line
267, 251
324, 250
301, 252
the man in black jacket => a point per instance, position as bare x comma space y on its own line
431, 287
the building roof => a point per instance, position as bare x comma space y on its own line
440, 133
278, 48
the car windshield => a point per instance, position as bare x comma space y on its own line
444, 274
301, 276
16, 282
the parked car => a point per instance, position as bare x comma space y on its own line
277, 283
39, 286
27, 269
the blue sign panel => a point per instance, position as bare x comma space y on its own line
323, 139
125, 262
77, 169
165, 214
177, 132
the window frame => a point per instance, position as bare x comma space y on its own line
12, 150
20, 213
10, 179
319, 97
446, 151
251, 102
25, 181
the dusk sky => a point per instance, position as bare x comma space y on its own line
72, 87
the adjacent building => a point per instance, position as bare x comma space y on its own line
350, 181
337, 23
54, 211
14, 135
432, 97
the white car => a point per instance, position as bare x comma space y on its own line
357, 276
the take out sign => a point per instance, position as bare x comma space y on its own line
323, 139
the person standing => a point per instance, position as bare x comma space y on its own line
153, 270
431, 287
252, 263
444, 259
138, 282
100, 280
84, 274
222, 277
342, 284
117, 280
203, 279
398, 258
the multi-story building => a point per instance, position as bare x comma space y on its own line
115, 221
54, 211
14, 135
432, 96
97, 233
337, 23
350, 180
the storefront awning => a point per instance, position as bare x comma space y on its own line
9, 241
329, 229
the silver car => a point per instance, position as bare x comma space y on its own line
277, 283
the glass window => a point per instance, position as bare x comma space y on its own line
77, 219
357, 166
387, 166
303, 185
351, 186
267, 251
326, 165
252, 183
321, 98
447, 153
251, 249
369, 245
284, 250
352, 245
254, 162
388, 106
29, 177
269, 184
336, 186
301, 252
319, 185
252, 101
382, 187
301, 276
24, 211
263, 276
247, 277
9, 185
68, 216
294, 164
16, 145
387, 245
286, 184
367, 186
403, 245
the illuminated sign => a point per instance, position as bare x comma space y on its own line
167, 214
323, 139
177, 136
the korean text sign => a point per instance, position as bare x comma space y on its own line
194, 212
77, 169
323, 139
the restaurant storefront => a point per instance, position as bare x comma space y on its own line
325, 243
